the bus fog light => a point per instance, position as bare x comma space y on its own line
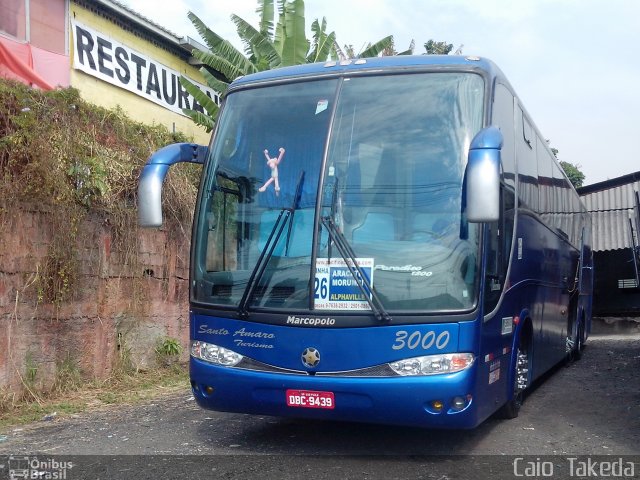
458, 403
433, 364
215, 354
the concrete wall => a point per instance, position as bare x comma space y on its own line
119, 310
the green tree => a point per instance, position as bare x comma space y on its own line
270, 45
438, 48
576, 177
572, 171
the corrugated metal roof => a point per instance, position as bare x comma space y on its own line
611, 208
611, 230
612, 182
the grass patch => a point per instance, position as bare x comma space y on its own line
118, 390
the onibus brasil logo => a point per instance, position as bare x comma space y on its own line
25, 467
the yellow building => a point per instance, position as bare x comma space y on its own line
111, 54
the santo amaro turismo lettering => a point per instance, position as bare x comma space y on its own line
103, 57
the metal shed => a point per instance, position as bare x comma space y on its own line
614, 207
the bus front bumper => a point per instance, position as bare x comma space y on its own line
425, 401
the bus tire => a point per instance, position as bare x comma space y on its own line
576, 353
583, 334
575, 337
574, 340
521, 380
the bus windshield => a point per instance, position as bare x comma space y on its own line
388, 153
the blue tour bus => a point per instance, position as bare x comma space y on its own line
384, 240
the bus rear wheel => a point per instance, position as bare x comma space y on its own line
521, 376
576, 354
575, 339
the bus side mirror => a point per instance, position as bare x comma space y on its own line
482, 176
153, 175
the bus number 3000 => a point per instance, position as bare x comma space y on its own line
418, 339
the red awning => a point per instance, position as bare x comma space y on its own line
33, 66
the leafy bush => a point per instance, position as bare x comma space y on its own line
169, 347
71, 159
168, 351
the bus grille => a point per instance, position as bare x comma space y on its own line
376, 371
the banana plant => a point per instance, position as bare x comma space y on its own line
270, 45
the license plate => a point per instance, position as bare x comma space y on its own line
310, 399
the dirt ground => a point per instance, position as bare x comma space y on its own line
589, 408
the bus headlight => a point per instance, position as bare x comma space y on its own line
433, 364
214, 354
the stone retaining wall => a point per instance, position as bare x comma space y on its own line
119, 311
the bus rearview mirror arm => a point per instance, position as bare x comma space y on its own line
153, 175
482, 176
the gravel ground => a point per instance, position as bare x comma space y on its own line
590, 407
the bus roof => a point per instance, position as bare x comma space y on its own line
372, 64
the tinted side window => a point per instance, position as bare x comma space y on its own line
527, 164
503, 118
548, 202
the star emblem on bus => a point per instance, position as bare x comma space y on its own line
310, 357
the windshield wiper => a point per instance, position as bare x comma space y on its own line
285, 215
348, 255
